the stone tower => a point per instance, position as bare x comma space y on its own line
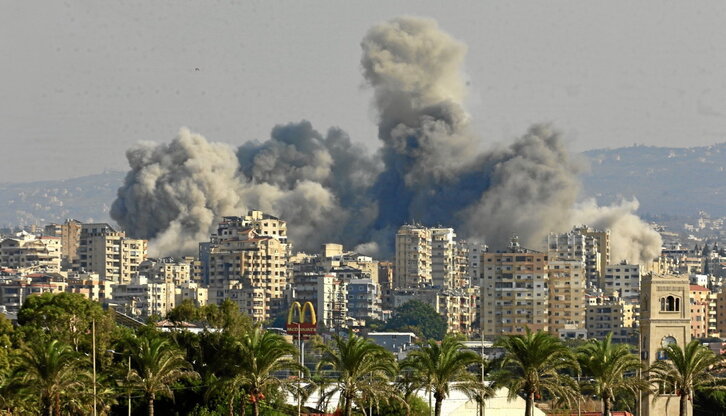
664, 319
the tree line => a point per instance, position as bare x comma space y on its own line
66, 356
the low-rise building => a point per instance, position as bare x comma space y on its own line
398, 343
15, 289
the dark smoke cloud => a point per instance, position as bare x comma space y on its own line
429, 169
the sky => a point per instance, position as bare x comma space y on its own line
82, 81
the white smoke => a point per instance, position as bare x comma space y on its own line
630, 238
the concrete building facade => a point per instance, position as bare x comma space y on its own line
514, 292
110, 253
27, 253
413, 257
566, 287
622, 278
250, 269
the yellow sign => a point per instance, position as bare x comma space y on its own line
301, 313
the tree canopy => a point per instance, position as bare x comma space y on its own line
419, 318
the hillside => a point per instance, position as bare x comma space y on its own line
672, 181
86, 198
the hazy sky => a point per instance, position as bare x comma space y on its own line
84, 80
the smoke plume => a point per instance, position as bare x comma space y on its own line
174, 193
430, 169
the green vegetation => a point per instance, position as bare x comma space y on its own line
444, 366
357, 368
535, 364
686, 370
156, 365
608, 368
419, 318
235, 367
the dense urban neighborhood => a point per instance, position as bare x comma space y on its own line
85, 293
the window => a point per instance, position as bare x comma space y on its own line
670, 304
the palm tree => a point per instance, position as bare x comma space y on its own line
229, 388
53, 372
532, 365
264, 353
442, 367
685, 370
156, 365
607, 364
359, 368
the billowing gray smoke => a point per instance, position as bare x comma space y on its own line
431, 170
175, 192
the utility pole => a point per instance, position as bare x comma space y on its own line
299, 374
93, 335
481, 342
128, 377
640, 372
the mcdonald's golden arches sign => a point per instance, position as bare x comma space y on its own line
297, 320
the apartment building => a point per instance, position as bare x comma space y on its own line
27, 253
90, 286
263, 225
703, 312
445, 261
580, 245
167, 269
332, 302
597, 241
250, 269
70, 234
385, 275
413, 257
360, 266
364, 299
566, 287
606, 314
193, 291
472, 251
143, 297
15, 289
110, 253
721, 312
622, 278
514, 291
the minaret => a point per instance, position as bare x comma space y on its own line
665, 318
